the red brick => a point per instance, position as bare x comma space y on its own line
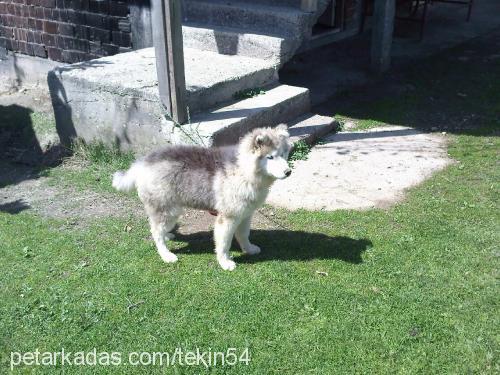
39, 50
50, 27
21, 34
121, 39
39, 12
99, 34
48, 3
118, 8
49, 40
6, 31
54, 53
25, 48
47, 13
39, 24
32, 11
60, 15
74, 56
66, 29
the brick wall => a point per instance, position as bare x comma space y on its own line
65, 30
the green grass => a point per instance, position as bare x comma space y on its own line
22, 126
249, 93
90, 166
300, 151
411, 289
440, 93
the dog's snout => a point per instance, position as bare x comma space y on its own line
288, 172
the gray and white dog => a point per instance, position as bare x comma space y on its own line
231, 181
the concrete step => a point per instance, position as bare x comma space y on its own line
211, 78
248, 16
115, 100
226, 124
232, 41
310, 127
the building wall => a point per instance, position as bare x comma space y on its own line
65, 30
78, 30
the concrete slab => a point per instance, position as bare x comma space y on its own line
361, 170
226, 124
115, 99
139, 124
233, 41
265, 29
249, 16
211, 78
17, 70
309, 127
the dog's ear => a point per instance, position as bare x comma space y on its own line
260, 139
282, 130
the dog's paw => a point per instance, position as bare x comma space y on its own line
252, 250
227, 264
169, 257
169, 236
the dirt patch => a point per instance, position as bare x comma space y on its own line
362, 170
38, 195
23, 189
35, 97
351, 170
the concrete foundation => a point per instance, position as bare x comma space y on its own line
116, 100
18, 70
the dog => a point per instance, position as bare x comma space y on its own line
230, 182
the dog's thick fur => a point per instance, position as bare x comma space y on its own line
231, 181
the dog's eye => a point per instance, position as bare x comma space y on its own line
270, 157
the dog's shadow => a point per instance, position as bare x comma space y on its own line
285, 245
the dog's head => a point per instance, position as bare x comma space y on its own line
271, 147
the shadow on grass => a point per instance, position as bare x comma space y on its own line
21, 146
457, 91
285, 245
14, 207
21, 155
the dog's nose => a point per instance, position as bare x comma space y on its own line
288, 172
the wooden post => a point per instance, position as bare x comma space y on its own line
167, 38
383, 27
309, 5
140, 20
329, 17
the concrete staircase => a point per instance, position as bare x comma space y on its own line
265, 29
229, 46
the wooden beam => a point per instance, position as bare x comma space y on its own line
167, 38
383, 27
329, 18
309, 5
140, 21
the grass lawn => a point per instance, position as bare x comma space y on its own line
411, 289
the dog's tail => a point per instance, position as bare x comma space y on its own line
126, 180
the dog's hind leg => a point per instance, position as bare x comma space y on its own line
168, 225
223, 234
242, 236
169, 222
158, 221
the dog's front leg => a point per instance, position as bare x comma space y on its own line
223, 234
242, 236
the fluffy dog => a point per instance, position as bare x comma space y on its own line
230, 181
